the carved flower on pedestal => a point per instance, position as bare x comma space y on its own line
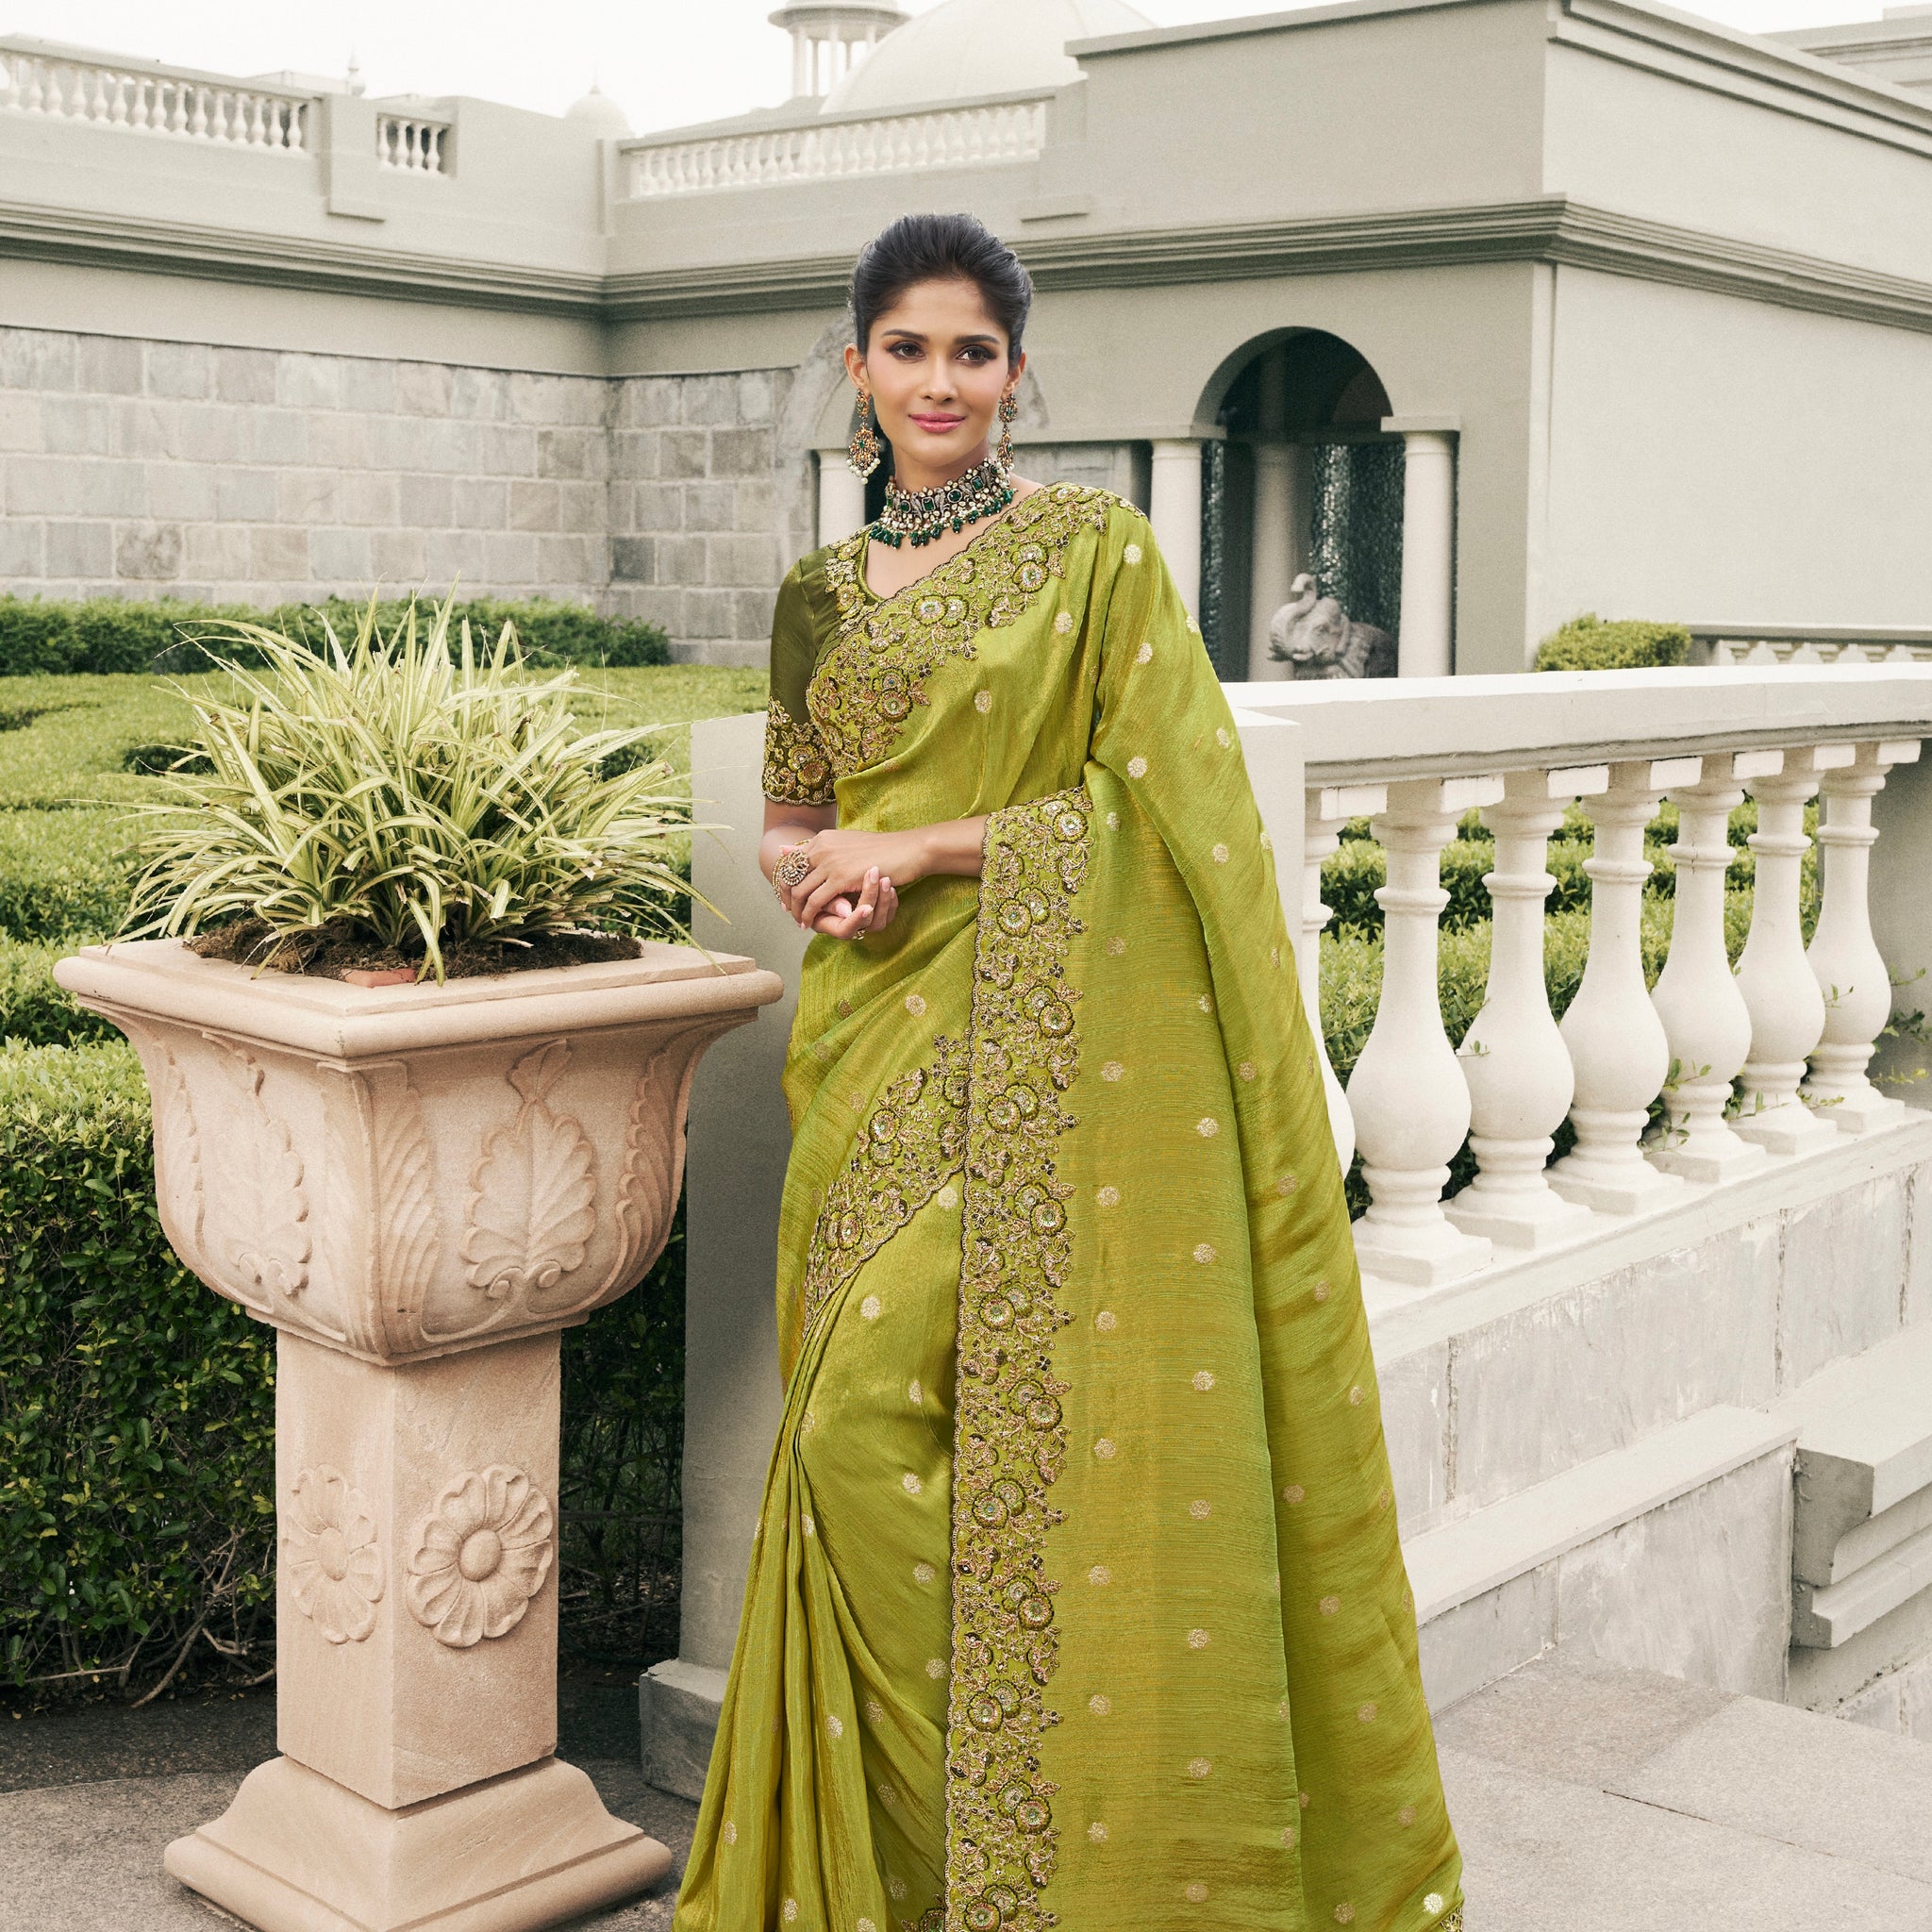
480, 1555
330, 1556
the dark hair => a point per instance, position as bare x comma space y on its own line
940, 248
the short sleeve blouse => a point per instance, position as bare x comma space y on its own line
797, 771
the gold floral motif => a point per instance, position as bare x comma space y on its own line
867, 682
796, 770
1009, 1435
907, 1146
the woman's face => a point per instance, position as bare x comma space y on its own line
937, 366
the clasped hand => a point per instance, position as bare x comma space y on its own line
849, 890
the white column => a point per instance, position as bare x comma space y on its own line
1704, 1019
1520, 1078
1329, 807
1845, 961
1174, 510
1408, 1094
1786, 1007
841, 497
1616, 1040
1429, 547
801, 64
1278, 512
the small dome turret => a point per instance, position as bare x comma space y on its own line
598, 111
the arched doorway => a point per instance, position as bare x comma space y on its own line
1304, 478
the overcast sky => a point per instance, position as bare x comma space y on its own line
666, 62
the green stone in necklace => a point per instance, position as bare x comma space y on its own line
920, 517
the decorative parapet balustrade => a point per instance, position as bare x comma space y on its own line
66, 85
970, 135
411, 146
1813, 644
1763, 1064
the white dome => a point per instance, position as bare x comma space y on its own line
599, 111
962, 48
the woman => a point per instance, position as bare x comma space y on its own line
1075, 1598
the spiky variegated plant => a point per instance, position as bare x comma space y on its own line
392, 790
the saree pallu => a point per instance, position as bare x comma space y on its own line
1077, 1598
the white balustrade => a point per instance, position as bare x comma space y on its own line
1786, 1004
411, 146
1514, 1058
1704, 1018
153, 100
1328, 807
1616, 1040
1844, 958
1410, 1099
820, 151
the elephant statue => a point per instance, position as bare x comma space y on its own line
1314, 638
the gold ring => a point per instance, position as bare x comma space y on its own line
794, 866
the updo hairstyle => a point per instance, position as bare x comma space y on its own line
940, 248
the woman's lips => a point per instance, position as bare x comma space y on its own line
939, 426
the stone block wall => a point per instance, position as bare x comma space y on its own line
139, 468
703, 507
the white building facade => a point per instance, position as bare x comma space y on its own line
1485, 313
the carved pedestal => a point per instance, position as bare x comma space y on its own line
419, 1186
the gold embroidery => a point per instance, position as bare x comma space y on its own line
796, 772
1010, 1437
909, 1146
867, 682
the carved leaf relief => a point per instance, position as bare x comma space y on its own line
382, 1228
331, 1556
647, 1187
177, 1157
480, 1556
532, 1193
273, 1248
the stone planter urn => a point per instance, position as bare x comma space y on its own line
419, 1186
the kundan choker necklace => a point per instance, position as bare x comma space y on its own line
920, 517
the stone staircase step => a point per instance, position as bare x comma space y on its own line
1627, 1801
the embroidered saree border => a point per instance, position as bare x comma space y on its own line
867, 683
909, 1143
1009, 1439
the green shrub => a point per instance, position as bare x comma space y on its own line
136, 1408
103, 634
62, 874
136, 1415
35, 1012
1588, 644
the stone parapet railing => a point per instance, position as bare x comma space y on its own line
1792, 1029
69, 84
1810, 644
969, 136
411, 145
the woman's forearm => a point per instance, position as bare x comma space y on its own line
952, 846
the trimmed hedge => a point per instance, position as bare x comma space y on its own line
136, 1419
114, 633
1588, 644
136, 1409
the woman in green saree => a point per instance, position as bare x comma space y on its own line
1075, 1599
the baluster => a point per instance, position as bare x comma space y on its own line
177, 106
1513, 1058
1704, 1019
36, 88
114, 88
10, 81
197, 125
1616, 1040
1786, 1007
1328, 807
1845, 959
1408, 1094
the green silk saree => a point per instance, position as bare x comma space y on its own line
1077, 1598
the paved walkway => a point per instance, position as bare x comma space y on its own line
1588, 1799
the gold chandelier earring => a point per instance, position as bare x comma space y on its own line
1009, 408
866, 446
